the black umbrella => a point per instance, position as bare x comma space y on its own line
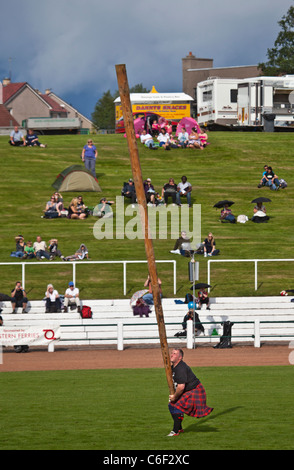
261, 199
200, 285
223, 203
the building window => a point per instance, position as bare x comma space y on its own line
234, 96
207, 95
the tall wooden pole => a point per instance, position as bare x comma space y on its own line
138, 181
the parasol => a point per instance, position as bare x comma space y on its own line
200, 285
261, 199
224, 203
137, 295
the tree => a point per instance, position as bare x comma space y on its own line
281, 56
103, 116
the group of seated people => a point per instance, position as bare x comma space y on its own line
53, 300
259, 214
169, 190
40, 250
77, 209
161, 137
183, 246
17, 139
55, 208
271, 180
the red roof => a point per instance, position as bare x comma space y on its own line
6, 119
11, 89
54, 105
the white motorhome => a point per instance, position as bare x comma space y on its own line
261, 99
217, 101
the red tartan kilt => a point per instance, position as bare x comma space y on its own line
192, 403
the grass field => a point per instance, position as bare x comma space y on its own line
126, 409
230, 167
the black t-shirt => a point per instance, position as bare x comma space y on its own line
18, 294
269, 175
182, 374
170, 188
208, 246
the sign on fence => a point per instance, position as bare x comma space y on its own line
30, 335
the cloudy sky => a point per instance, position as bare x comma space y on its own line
72, 46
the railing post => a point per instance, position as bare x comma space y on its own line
255, 275
256, 333
208, 274
120, 338
190, 334
125, 277
23, 275
175, 277
74, 273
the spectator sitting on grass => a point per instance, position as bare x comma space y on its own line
103, 209
53, 249
19, 247
40, 249
52, 209
80, 254
32, 140
270, 179
29, 250
77, 209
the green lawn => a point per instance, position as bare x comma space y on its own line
230, 167
127, 410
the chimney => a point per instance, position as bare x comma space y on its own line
6, 81
48, 91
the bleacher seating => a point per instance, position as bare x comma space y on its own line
276, 312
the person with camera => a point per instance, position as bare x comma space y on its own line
18, 298
191, 315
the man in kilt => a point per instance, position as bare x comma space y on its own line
189, 397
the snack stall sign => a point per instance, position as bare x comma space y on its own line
169, 105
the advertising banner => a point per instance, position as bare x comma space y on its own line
29, 335
169, 111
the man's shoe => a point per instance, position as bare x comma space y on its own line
14, 311
173, 434
65, 309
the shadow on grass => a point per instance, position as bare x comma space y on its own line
203, 425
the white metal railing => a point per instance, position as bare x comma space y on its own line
120, 337
75, 263
255, 261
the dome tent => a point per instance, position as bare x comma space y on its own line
76, 178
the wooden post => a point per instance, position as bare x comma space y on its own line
138, 181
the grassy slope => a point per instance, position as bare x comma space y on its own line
229, 168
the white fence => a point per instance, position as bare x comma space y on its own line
255, 261
74, 264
